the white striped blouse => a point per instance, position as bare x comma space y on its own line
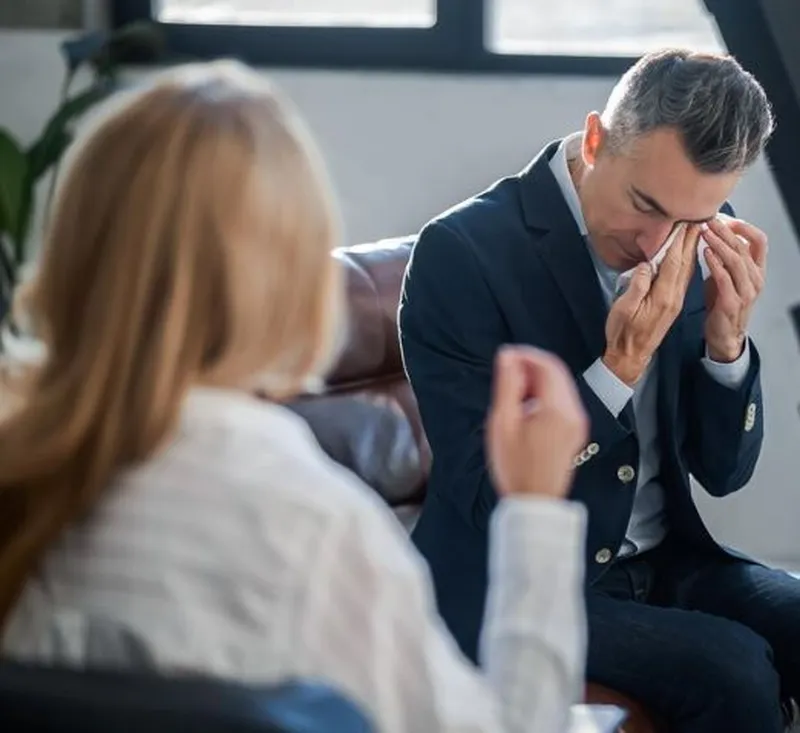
243, 552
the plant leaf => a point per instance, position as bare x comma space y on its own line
83, 49
56, 135
47, 151
8, 273
79, 104
23, 223
13, 185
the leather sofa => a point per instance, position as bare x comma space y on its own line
367, 418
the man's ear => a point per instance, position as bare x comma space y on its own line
594, 136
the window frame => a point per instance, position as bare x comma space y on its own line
749, 37
455, 44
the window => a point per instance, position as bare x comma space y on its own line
366, 13
573, 36
600, 27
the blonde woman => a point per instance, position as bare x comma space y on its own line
143, 489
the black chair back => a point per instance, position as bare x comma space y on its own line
48, 700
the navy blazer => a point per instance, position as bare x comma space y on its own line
510, 266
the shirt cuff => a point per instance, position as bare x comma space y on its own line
608, 387
732, 374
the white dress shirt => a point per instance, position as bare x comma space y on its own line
648, 523
243, 552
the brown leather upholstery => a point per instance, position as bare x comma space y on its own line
639, 720
368, 382
367, 418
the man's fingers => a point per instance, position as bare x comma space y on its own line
672, 260
729, 231
726, 290
755, 237
755, 273
638, 288
678, 263
691, 241
678, 267
734, 258
750, 243
722, 228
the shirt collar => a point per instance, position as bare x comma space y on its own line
569, 149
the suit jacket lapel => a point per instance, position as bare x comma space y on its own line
564, 250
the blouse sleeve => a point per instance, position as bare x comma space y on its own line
368, 624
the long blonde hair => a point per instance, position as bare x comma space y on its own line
189, 243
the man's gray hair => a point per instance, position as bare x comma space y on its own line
720, 111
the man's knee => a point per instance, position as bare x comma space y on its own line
700, 672
734, 672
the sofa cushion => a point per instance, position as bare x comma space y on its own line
369, 433
374, 274
367, 418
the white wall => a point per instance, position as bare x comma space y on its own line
402, 147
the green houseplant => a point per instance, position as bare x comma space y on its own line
23, 167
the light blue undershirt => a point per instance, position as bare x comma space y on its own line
648, 523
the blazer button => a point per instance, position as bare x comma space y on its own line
592, 449
626, 474
750, 417
603, 556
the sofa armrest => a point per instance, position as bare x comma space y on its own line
640, 720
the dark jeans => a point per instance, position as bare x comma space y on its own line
708, 642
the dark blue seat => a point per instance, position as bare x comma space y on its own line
55, 700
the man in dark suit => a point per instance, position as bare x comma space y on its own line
591, 252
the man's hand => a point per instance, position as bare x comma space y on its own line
641, 317
736, 257
536, 424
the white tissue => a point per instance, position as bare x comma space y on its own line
625, 278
